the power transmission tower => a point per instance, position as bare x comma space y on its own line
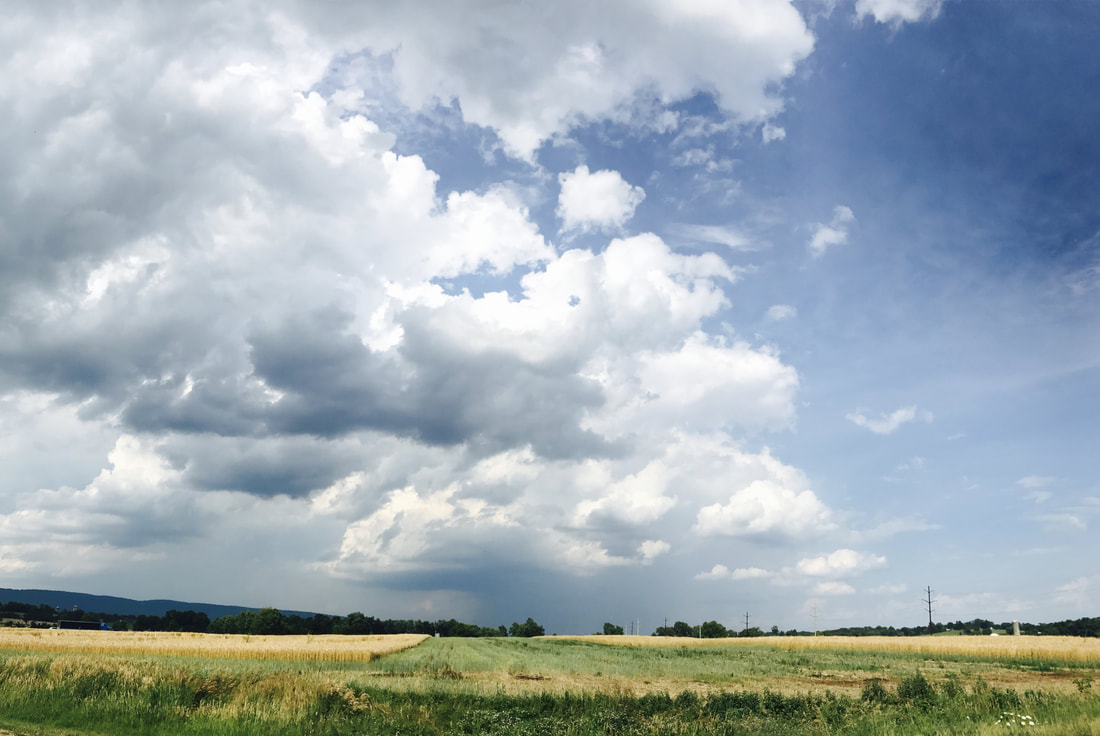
746, 620
929, 600
815, 619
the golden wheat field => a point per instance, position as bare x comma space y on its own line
330, 648
1070, 648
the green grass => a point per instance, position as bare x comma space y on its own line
437, 688
715, 663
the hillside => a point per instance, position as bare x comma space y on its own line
66, 600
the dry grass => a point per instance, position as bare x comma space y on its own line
223, 646
274, 694
1066, 648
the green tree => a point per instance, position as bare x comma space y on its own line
193, 621
713, 630
354, 623
268, 621
682, 628
146, 622
527, 628
319, 623
612, 630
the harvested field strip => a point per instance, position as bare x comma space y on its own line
222, 646
1062, 648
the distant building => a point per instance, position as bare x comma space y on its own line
85, 625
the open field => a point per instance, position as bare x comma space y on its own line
579, 665
221, 646
1062, 648
544, 686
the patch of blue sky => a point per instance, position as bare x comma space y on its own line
983, 115
964, 148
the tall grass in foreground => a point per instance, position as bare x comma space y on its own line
45, 693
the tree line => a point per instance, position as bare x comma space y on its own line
271, 621
706, 630
266, 621
1084, 627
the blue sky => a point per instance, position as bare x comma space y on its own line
611, 312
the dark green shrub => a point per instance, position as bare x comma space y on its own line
687, 701
875, 693
917, 690
734, 703
951, 689
1006, 699
790, 706
653, 703
835, 710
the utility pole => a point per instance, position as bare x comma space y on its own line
929, 601
815, 619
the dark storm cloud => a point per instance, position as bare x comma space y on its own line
82, 361
291, 466
431, 389
140, 527
333, 384
498, 397
227, 407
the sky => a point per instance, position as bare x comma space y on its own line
616, 311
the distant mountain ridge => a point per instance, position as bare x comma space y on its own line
65, 600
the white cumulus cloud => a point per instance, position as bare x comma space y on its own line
839, 563
531, 73
770, 133
896, 12
780, 313
889, 423
764, 508
833, 233
651, 549
833, 587
599, 200
721, 572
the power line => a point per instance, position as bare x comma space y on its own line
929, 600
